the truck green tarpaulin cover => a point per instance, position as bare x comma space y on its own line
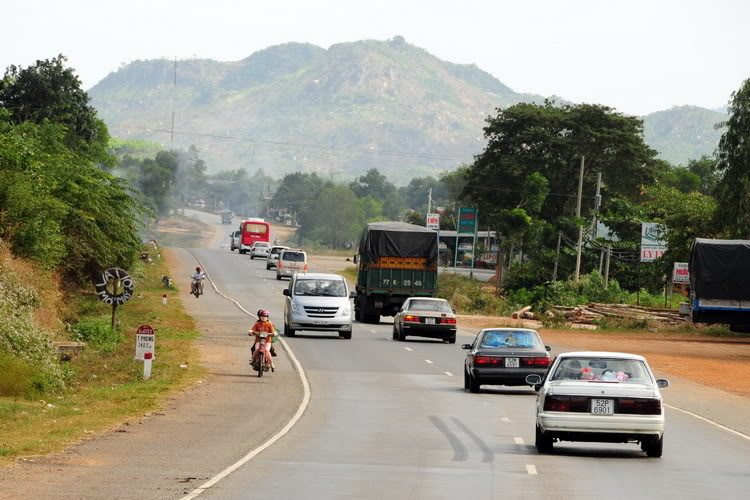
720, 269
397, 239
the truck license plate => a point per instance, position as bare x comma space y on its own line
429, 321
603, 406
511, 362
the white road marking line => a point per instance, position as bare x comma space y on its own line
518, 440
531, 469
485, 403
428, 361
448, 373
373, 331
408, 349
505, 419
723, 427
467, 333
284, 430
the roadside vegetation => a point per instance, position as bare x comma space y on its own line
66, 215
47, 403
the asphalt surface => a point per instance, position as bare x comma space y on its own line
391, 420
386, 419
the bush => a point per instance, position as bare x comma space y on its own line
18, 376
589, 288
470, 296
97, 332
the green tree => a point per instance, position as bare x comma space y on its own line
333, 218
705, 168
50, 91
378, 187
734, 165
296, 190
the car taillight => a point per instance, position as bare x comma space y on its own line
535, 361
279, 264
411, 319
566, 403
448, 321
638, 406
487, 360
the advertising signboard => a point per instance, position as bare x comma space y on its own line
680, 274
433, 221
467, 220
652, 247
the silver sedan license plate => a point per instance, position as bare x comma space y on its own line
429, 321
511, 362
603, 406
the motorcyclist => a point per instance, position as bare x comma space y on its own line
263, 325
198, 276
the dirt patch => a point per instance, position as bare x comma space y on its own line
182, 232
721, 363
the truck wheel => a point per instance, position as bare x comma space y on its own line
739, 328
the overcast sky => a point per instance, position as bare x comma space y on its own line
638, 56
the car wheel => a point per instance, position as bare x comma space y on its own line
466, 379
474, 385
288, 331
655, 447
451, 340
401, 336
395, 332
345, 334
544, 443
278, 277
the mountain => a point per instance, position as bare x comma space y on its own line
683, 133
342, 110
337, 111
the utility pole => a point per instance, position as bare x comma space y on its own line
429, 202
606, 267
557, 255
578, 215
597, 201
174, 93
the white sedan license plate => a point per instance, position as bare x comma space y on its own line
603, 406
429, 321
511, 362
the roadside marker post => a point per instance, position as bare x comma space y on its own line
164, 299
145, 347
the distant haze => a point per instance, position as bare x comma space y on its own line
638, 56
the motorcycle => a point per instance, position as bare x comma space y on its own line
197, 288
261, 360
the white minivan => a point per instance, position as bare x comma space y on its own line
318, 302
291, 261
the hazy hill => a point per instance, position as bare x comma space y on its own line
683, 133
332, 110
361, 96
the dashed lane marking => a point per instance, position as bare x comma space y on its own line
518, 440
531, 469
448, 373
408, 349
428, 361
505, 419
373, 331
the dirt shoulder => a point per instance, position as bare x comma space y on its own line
721, 363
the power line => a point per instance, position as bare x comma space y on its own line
399, 154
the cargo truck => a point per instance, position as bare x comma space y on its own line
396, 261
720, 282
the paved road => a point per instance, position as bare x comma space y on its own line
391, 420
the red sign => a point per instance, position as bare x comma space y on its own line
145, 330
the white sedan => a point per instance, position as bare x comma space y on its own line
608, 397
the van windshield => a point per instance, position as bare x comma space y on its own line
320, 288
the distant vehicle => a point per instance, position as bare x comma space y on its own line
260, 249
273, 256
227, 216
719, 288
607, 397
318, 302
291, 262
253, 230
504, 356
396, 261
425, 317
234, 240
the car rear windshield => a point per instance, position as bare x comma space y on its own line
293, 256
277, 249
320, 288
430, 305
602, 369
262, 244
510, 338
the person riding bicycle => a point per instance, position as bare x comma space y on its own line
263, 326
198, 276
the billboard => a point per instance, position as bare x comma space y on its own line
652, 246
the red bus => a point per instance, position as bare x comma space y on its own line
253, 230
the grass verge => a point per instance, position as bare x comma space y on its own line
105, 385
